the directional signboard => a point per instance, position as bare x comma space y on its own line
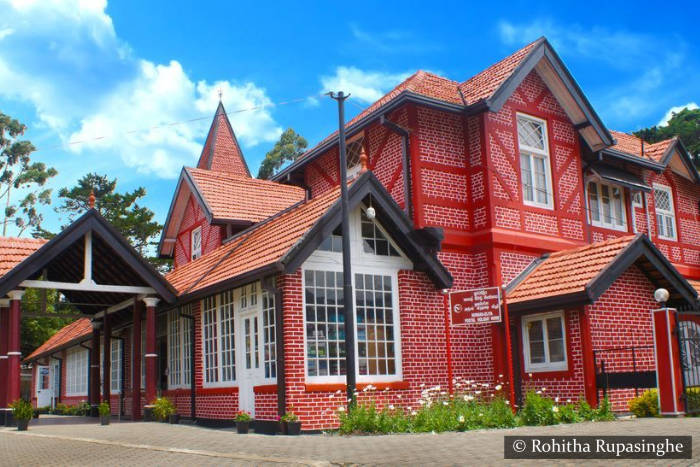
476, 306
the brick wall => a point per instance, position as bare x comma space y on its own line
194, 217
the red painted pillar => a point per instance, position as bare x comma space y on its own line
151, 354
106, 359
4, 324
13, 352
136, 364
668, 362
448, 341
95, 364
589, 383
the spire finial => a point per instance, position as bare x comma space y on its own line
221, 92
91, 199
364, 161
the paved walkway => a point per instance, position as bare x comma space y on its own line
147, 444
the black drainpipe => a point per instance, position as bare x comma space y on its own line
404, 133
193, 383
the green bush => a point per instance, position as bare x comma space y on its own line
22, 410
538, 410
163, 408
645, 405
104, 410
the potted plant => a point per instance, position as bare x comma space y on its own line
105, 412
291, 424
243, 420
164, 410
22, 412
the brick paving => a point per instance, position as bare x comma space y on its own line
146, 444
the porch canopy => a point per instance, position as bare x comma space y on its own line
99, 273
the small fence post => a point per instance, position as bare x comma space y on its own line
668, 362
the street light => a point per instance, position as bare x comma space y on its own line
661, 295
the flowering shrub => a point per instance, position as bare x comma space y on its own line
473, 406
243, 416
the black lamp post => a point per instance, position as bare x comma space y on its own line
347, 271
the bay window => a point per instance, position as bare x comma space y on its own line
535, 171
665, 213
376, 262
606, 206
544, 342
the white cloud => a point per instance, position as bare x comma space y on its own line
86, 84
365, 86
675, 110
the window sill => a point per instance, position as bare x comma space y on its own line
608, 227
215, 391
265, 389
548, 374
332, 387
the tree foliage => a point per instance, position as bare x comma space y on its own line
35, 331
135, 222
684, 124
287, 149
21, 177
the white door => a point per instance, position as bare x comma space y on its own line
43, 387
55, 382
249, 360
691, 352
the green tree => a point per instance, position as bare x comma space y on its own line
684, 124
288, 148
35, 331
122, 210
21, 177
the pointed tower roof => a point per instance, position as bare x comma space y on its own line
221, 152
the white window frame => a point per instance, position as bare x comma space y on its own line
194, 254
76, 379
666, 213
623, 206
269, 328
115, 366
362, 263
182, 343
532, 154
547, 366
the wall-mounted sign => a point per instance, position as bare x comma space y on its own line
476, 306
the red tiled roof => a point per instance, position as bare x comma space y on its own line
483, 85
14, 250
221, 151
232, 197
478, 87
262, 245
69, 333
695, 284
569, 271
632, 145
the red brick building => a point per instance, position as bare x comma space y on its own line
507, 179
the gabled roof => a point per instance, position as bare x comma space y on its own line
221, 150
115, 262
230, 197
282, 242
71, 334
487, 90
14, 250
656, 156
695, 284
581, 275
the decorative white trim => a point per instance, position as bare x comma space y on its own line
151, 355
17, 294
599, 199
533, 153
9, 354
87, 287
3, 357
150, 301
671, 213
547, 366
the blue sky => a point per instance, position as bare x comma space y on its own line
99, 84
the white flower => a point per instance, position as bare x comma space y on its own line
468, 398
421, 402
544, 389
442, 393
568, 401
556, 399
507, 402
341, 409
481, 414
538, 392
349, 400
391, 406
414, 413
555, 409
500, 376
444, 402
461, 419
477, 392
498, 387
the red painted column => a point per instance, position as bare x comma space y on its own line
13, 352
448, 341
136, 363
95, 364
589, 383
151, 354
668, 362
4, 325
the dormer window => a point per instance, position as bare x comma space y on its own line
196, 243
354, 150
606, 206
665, 214
535, 169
